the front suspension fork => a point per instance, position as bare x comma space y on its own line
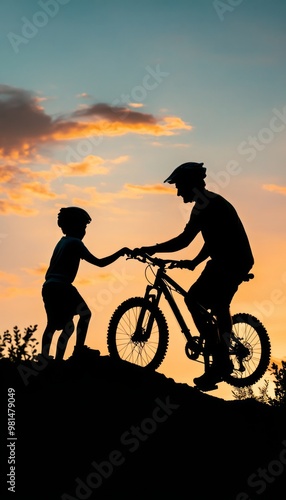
143, 331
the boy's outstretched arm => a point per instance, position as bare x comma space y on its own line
105, 261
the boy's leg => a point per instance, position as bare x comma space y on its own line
82, 326
63, 340
47, 339
80, 308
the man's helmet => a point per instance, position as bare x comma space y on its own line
71, 217
189, 172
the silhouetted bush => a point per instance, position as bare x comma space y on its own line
280, 384
17, 347
263, 396
241, 393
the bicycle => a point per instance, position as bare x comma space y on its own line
138, 330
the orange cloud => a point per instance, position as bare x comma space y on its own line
78, 130
91, 165
275, 188
7, 173
39, 190
10, 207
24, 125
21, 185
150, 188
90, 196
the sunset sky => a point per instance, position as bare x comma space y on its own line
99, 102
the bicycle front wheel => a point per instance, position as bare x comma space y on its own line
250, 350
125, 343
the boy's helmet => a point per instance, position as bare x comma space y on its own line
73, 217
189, 172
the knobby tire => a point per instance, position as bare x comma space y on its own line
251, 332
147, 353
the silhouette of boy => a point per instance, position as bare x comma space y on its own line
229, 255
62, 300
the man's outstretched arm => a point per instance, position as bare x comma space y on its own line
178, 243
192, 264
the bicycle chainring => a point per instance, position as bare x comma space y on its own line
193, 348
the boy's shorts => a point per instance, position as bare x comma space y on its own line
62, 302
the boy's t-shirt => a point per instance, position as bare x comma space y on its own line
65, 260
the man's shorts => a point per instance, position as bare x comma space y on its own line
62, 302
215, 287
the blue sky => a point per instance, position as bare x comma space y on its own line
187, 80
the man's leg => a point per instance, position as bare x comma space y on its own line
226, 288
208, 290
221, 352
197, 295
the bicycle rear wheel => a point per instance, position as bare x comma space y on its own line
250, 350
125, 343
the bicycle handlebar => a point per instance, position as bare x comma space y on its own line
154, 261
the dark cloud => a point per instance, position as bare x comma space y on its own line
115, 113
22, 121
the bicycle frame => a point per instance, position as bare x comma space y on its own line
161, 287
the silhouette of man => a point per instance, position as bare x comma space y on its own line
229, 255
61, 299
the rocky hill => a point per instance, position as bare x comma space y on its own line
97, 429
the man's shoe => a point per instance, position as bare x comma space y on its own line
208, 381
205, 385
217, 373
